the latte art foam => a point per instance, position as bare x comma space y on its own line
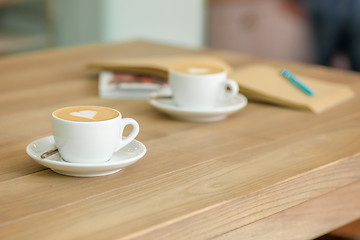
196, 69
86, 113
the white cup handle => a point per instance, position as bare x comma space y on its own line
234, 87
131, 136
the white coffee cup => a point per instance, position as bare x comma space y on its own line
200, 86
90, 134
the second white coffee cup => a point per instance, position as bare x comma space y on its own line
200, 86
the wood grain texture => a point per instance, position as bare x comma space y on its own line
197, 180
327, 212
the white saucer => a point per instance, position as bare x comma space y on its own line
217, 113
122, 158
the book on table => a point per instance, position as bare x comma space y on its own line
141, 77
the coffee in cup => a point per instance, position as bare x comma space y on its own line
200, 86
196, 69
86, 113
90, 134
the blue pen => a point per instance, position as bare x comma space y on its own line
297, 82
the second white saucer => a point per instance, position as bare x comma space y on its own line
220, 112
126, 156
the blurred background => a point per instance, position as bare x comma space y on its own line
277, 29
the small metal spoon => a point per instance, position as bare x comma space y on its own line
49, 153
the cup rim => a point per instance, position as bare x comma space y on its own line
172, 71
84, 122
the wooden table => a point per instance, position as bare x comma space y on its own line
266, 172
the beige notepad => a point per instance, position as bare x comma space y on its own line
156, 66
265, 83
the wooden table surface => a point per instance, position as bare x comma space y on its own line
266, 172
